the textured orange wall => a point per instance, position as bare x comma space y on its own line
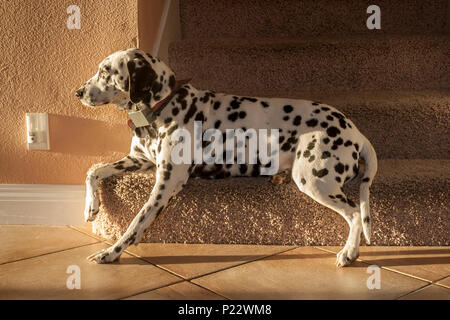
42, 63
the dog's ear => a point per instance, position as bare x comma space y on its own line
141, 78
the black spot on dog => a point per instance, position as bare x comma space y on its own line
235, 104
312, 122
303, 181
326, 140
297, 120
306, 154
286, 118
288, 108
356, 147
366, 179
333, 131
192, 110
348, 143
217, 124
175, 111
330, 118
325, 155
264, 104
243, 168
338, 179
339, 168
311, 159
355, 155
338, 115
233, 116
242, 114
325, 108
321, 173
351, 203
342, 123
172, 129
216, 105
324, 124
286, 146
200, 117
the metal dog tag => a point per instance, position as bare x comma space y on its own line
139, 118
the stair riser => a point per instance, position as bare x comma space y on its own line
253, 211
409, 133
354, 64
294, 18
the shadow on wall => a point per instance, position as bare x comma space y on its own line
81, 136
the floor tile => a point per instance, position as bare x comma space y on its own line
25, 241
430, 292
428, 263
445, 282
87, 229
305, 273
179, 291
192, 260
45, 277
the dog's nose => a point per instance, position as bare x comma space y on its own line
79, 93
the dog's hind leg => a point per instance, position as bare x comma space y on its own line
324, 189
102, 171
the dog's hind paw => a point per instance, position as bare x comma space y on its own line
346, 256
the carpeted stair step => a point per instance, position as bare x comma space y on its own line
294, 18
399, 124
409, 206
318, 64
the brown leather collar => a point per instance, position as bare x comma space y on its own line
159, 106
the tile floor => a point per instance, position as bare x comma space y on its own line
34, 262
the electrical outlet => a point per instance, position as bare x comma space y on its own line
37, 131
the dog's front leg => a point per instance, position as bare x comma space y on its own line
170, 179
95, 174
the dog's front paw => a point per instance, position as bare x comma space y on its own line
346, 256
92, 207
105, 256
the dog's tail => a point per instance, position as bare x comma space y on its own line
370, 169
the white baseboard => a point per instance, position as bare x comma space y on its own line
42, 204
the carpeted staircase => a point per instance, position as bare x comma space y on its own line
394, 84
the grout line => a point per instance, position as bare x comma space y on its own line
240, 264
150, 290
92, 235
440, 284
48, 253
205, 288
205, 274
388, 268
196, 277
414, 291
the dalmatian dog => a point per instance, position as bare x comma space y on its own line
318, 144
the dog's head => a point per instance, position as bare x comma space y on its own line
128, 77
